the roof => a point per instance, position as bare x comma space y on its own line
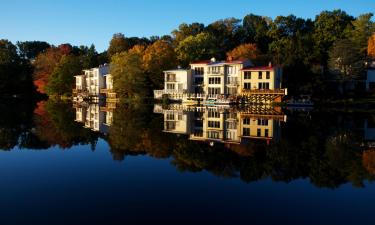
175, 70
201, 62
258, 68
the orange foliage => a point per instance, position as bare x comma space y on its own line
46, 62
368, 159
244, 51
371, 47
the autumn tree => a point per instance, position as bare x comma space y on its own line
45, 63
128, 74
61, 80
117, 44
371, 47
158, 57
256, 30
244, 51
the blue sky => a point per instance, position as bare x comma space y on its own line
85, 22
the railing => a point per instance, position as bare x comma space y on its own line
171, 79
264, 91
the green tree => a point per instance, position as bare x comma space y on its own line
128, 73
199, 47
362, 29
329, 26
61, 80
186, 30
15, 73
30, 49
256, 30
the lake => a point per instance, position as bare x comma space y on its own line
65, 163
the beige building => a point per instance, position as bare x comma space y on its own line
221, 79
215, 124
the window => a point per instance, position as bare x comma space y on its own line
231, 125
231, 90
213, 134
198, 133
246, 121
199, 80
247, 75
260, 75
215, 69
214, 80
171, 77
259, 132
213, 114
247, 85
230, 70
170, 87
170, 125
170, 116
213, 91
263, 85
246, 132
268, 75
198, 70
266, 132
214, 124
262, 122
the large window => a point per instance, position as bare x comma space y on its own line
198, 80
230, 70
213, 91
262, 122
247, 85
213, 134
171, 77
247, 75
246, 121
260, 75
198, 70
214, 124
263, 85
266, 133
214, 80
170, 87
268, 75
246, 131
213, 114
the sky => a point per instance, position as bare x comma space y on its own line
86, 22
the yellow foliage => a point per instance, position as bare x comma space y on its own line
371, 47
244, 51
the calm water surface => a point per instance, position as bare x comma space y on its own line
140, 164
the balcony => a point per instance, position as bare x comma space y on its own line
265, 91
171, 79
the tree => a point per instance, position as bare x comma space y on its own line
30, 49
15, 73
61, 79
158, 57
227, 33
362, 30
371, 47
199, 47
345, 60
46, 62
128, 75
89, 57
117, 44
186, 30
244, 51
256, 30
329, 26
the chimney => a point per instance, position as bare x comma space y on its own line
213, 59
270, 64
178, 67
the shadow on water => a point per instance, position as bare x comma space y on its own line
252, 143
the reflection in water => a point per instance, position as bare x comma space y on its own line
222, 124
253, 143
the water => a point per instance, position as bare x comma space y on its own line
142, 164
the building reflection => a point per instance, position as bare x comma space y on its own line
223, 124
97, 117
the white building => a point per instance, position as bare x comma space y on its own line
93, 80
